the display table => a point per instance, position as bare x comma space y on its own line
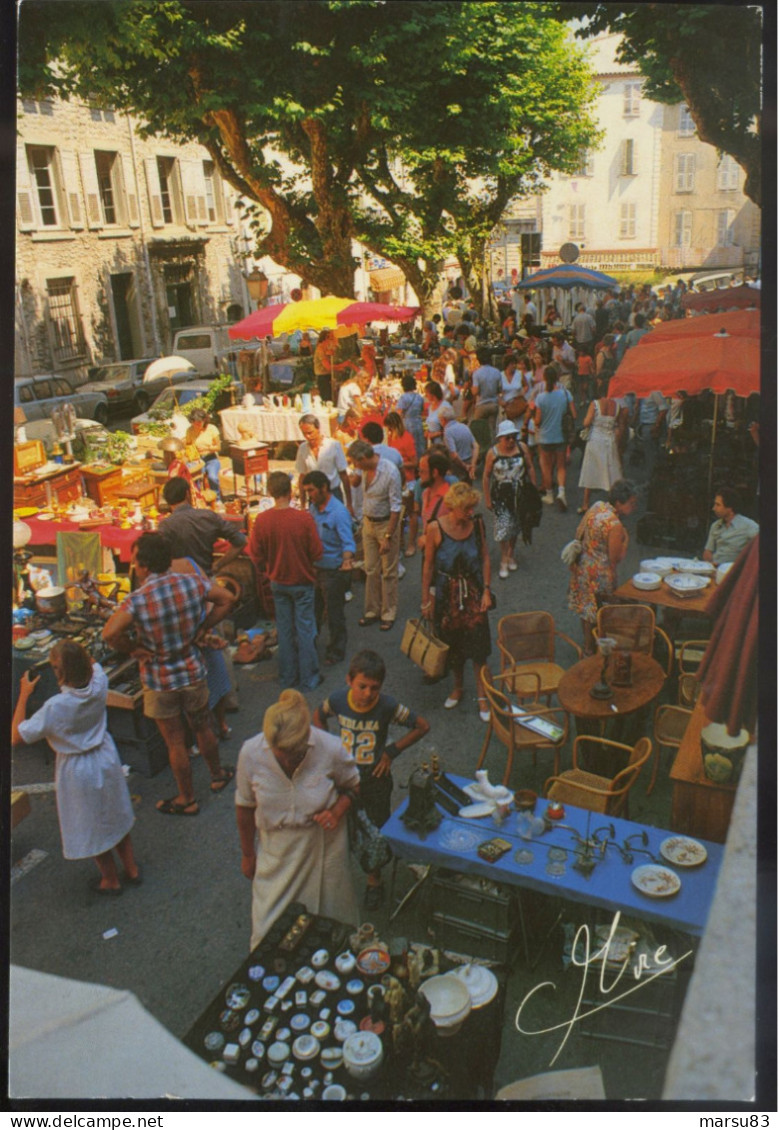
278, 425
60, 483
608, 887
665, 598
699, 807
466, 1061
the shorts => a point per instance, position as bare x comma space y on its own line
375, 795
191, 701
553, 446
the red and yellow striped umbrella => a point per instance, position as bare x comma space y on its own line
317, 314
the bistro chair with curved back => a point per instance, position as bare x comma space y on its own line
504, 726
608, 795
689, 660
527, 643
633, 627
669, 728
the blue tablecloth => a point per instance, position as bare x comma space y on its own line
609, 885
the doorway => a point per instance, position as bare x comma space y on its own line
129, 337
179, 299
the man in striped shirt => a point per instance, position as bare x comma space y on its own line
160, 625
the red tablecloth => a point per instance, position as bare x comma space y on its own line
114, 538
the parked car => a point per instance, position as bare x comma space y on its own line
130, 386
209, 348
173, 398
39, 396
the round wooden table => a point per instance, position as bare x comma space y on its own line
574, 688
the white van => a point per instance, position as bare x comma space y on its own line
208, 348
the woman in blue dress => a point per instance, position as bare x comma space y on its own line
411, 405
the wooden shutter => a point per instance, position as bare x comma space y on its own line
25, 192
91, 190
155, 192
189, 190
130, 190
71, 188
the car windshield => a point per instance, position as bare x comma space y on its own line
187, 394
111, 373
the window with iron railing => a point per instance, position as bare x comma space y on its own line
67, 331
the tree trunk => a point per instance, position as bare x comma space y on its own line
425, 282
320, 251
471, 255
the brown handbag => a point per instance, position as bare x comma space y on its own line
515, 408
423, 648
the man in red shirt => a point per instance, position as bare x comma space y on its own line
435, 478
284, 543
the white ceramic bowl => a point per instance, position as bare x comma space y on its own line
450, 1002
363, 1054
647, 582
686, 584
693, 565
661, 565
481, 983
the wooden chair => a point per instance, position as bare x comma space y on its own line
670, 725
689, 660
504, 726
633, 627
608, 795
527, 642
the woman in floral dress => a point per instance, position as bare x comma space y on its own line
604, 544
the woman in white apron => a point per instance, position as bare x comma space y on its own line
292, 793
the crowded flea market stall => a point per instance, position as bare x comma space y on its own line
609, 838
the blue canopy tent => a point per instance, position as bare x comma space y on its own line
566, 282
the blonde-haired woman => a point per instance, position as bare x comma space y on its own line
293, 786
456, 588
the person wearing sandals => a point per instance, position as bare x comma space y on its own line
506, 467
161, 625
382, 505
294, 786
604, 544
364, 715
93, 803
456, 588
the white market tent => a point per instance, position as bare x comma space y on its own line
76, 1040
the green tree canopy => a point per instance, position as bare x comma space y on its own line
409, 125
707, 55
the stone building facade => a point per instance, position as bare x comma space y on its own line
120, 240
653, 194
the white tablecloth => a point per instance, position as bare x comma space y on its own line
279, 425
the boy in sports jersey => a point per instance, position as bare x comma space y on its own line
364, 715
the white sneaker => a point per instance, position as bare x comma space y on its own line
348, 595
503, 572
513, 566
548, 498
401, 570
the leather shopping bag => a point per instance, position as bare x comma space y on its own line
423, 648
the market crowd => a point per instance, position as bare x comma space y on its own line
457, 471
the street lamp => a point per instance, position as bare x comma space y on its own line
257, 285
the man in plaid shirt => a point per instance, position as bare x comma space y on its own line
160, 625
